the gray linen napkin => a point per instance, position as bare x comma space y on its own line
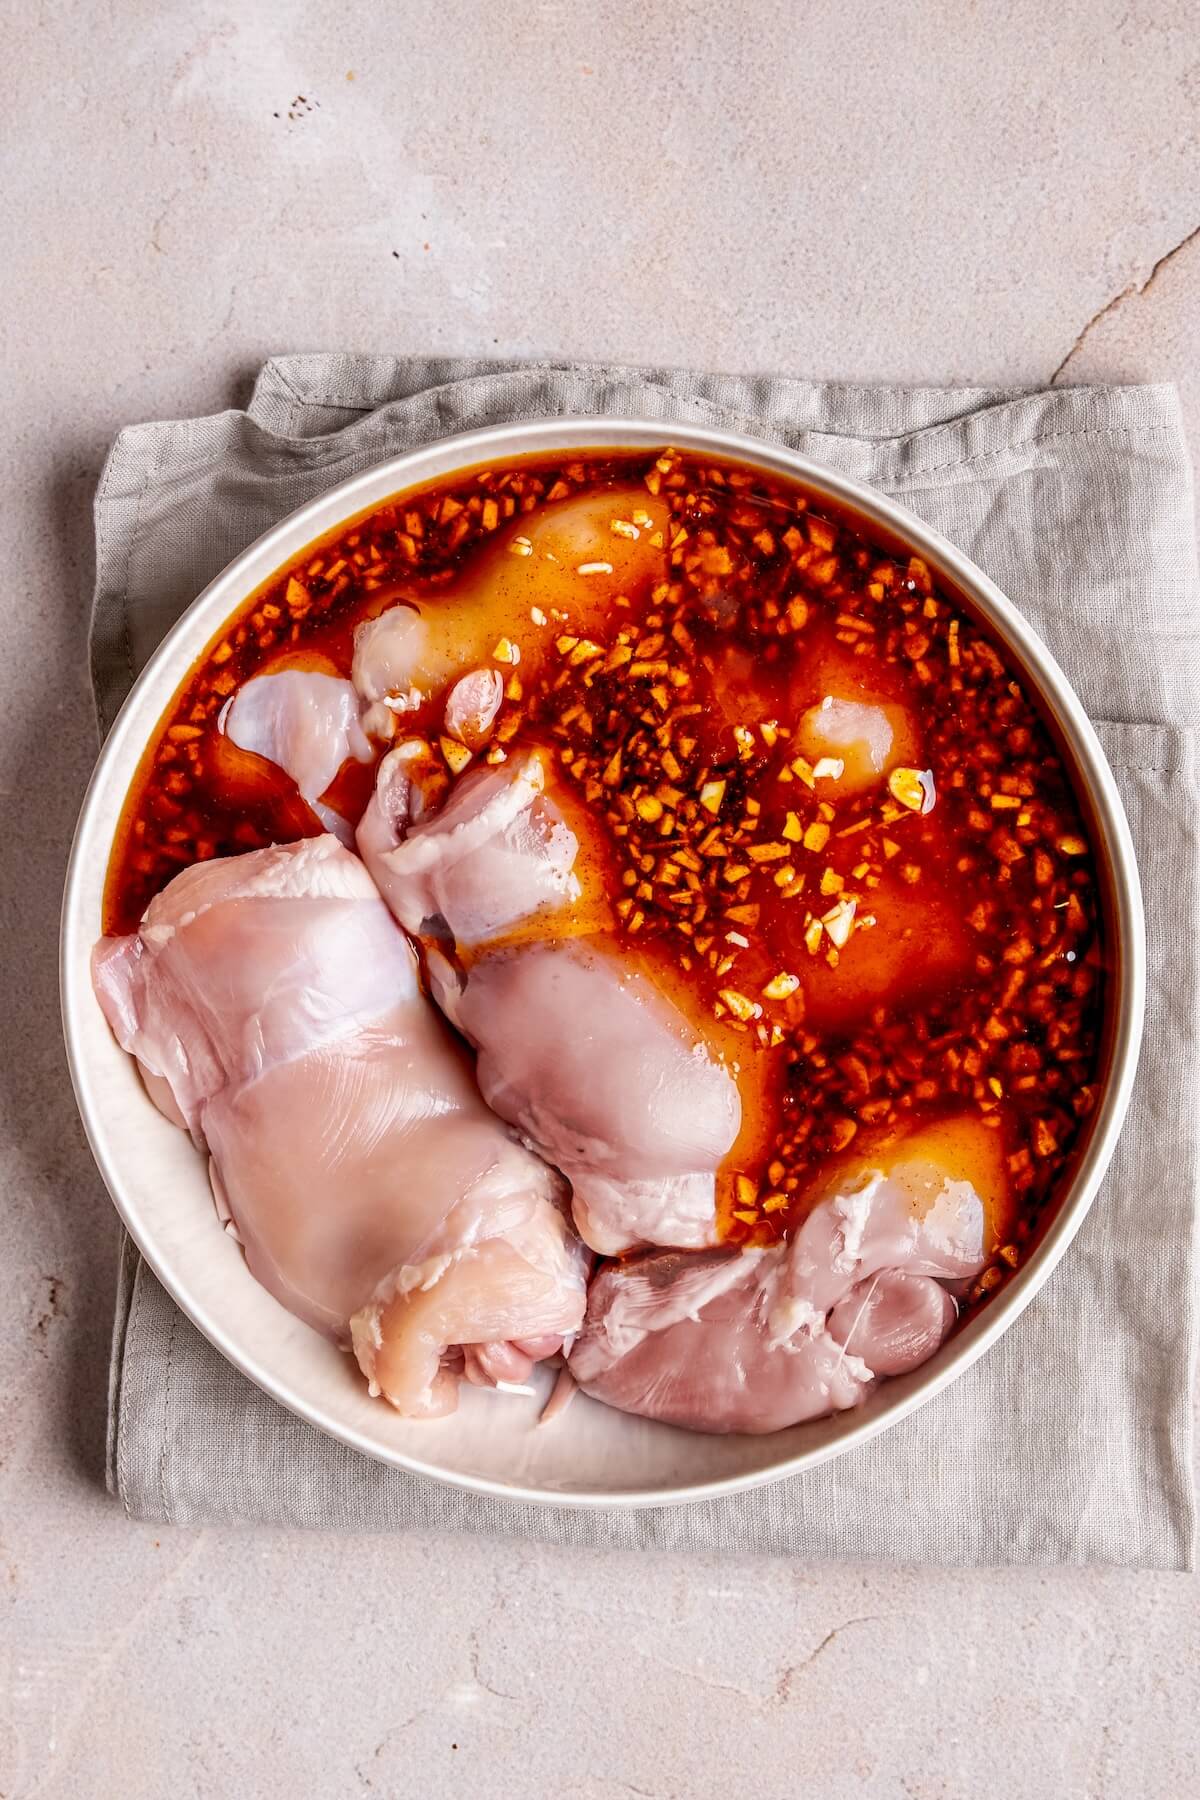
1070, 1441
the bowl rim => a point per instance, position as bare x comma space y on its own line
461, 451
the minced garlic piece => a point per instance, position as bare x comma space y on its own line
623, 528
1072, 846
812, 936
594, 568
537, 615
457, 755
828, 768
839, 922
793, 830
913, 788
649, 809
744, 739
739, 1006
711, 796
817, 835
521, 546
780, 986
506, 652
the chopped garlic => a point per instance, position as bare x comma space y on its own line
913, 788
839, 922
457, 755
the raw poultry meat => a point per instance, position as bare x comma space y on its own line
497, 855
310, 722
275, 1010
541, 575
305, 722
580, 1050
755, 1340
579, 1046
851, 742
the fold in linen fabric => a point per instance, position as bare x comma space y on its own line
1070, 1440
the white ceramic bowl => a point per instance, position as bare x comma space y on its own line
592, 1455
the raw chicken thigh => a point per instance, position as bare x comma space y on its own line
756, 1340
579, 1047
498, 854
309, 723
853, 740
541, 575
305, 722
274, 1009
605, 1077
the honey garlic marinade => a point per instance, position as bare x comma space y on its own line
872, 949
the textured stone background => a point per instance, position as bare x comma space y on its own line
935, 192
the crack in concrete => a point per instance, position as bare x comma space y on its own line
781, 1693
473, 1655
608, 1782
161, 220
82, 1686
1135, 289
474, 1652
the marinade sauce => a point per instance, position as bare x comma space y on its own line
825, 810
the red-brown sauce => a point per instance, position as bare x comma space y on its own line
928, 946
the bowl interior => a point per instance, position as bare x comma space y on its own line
591, 1454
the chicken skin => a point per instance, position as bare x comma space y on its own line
579, 1046
755, 1340
275, 1011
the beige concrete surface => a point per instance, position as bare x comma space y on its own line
936, 192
